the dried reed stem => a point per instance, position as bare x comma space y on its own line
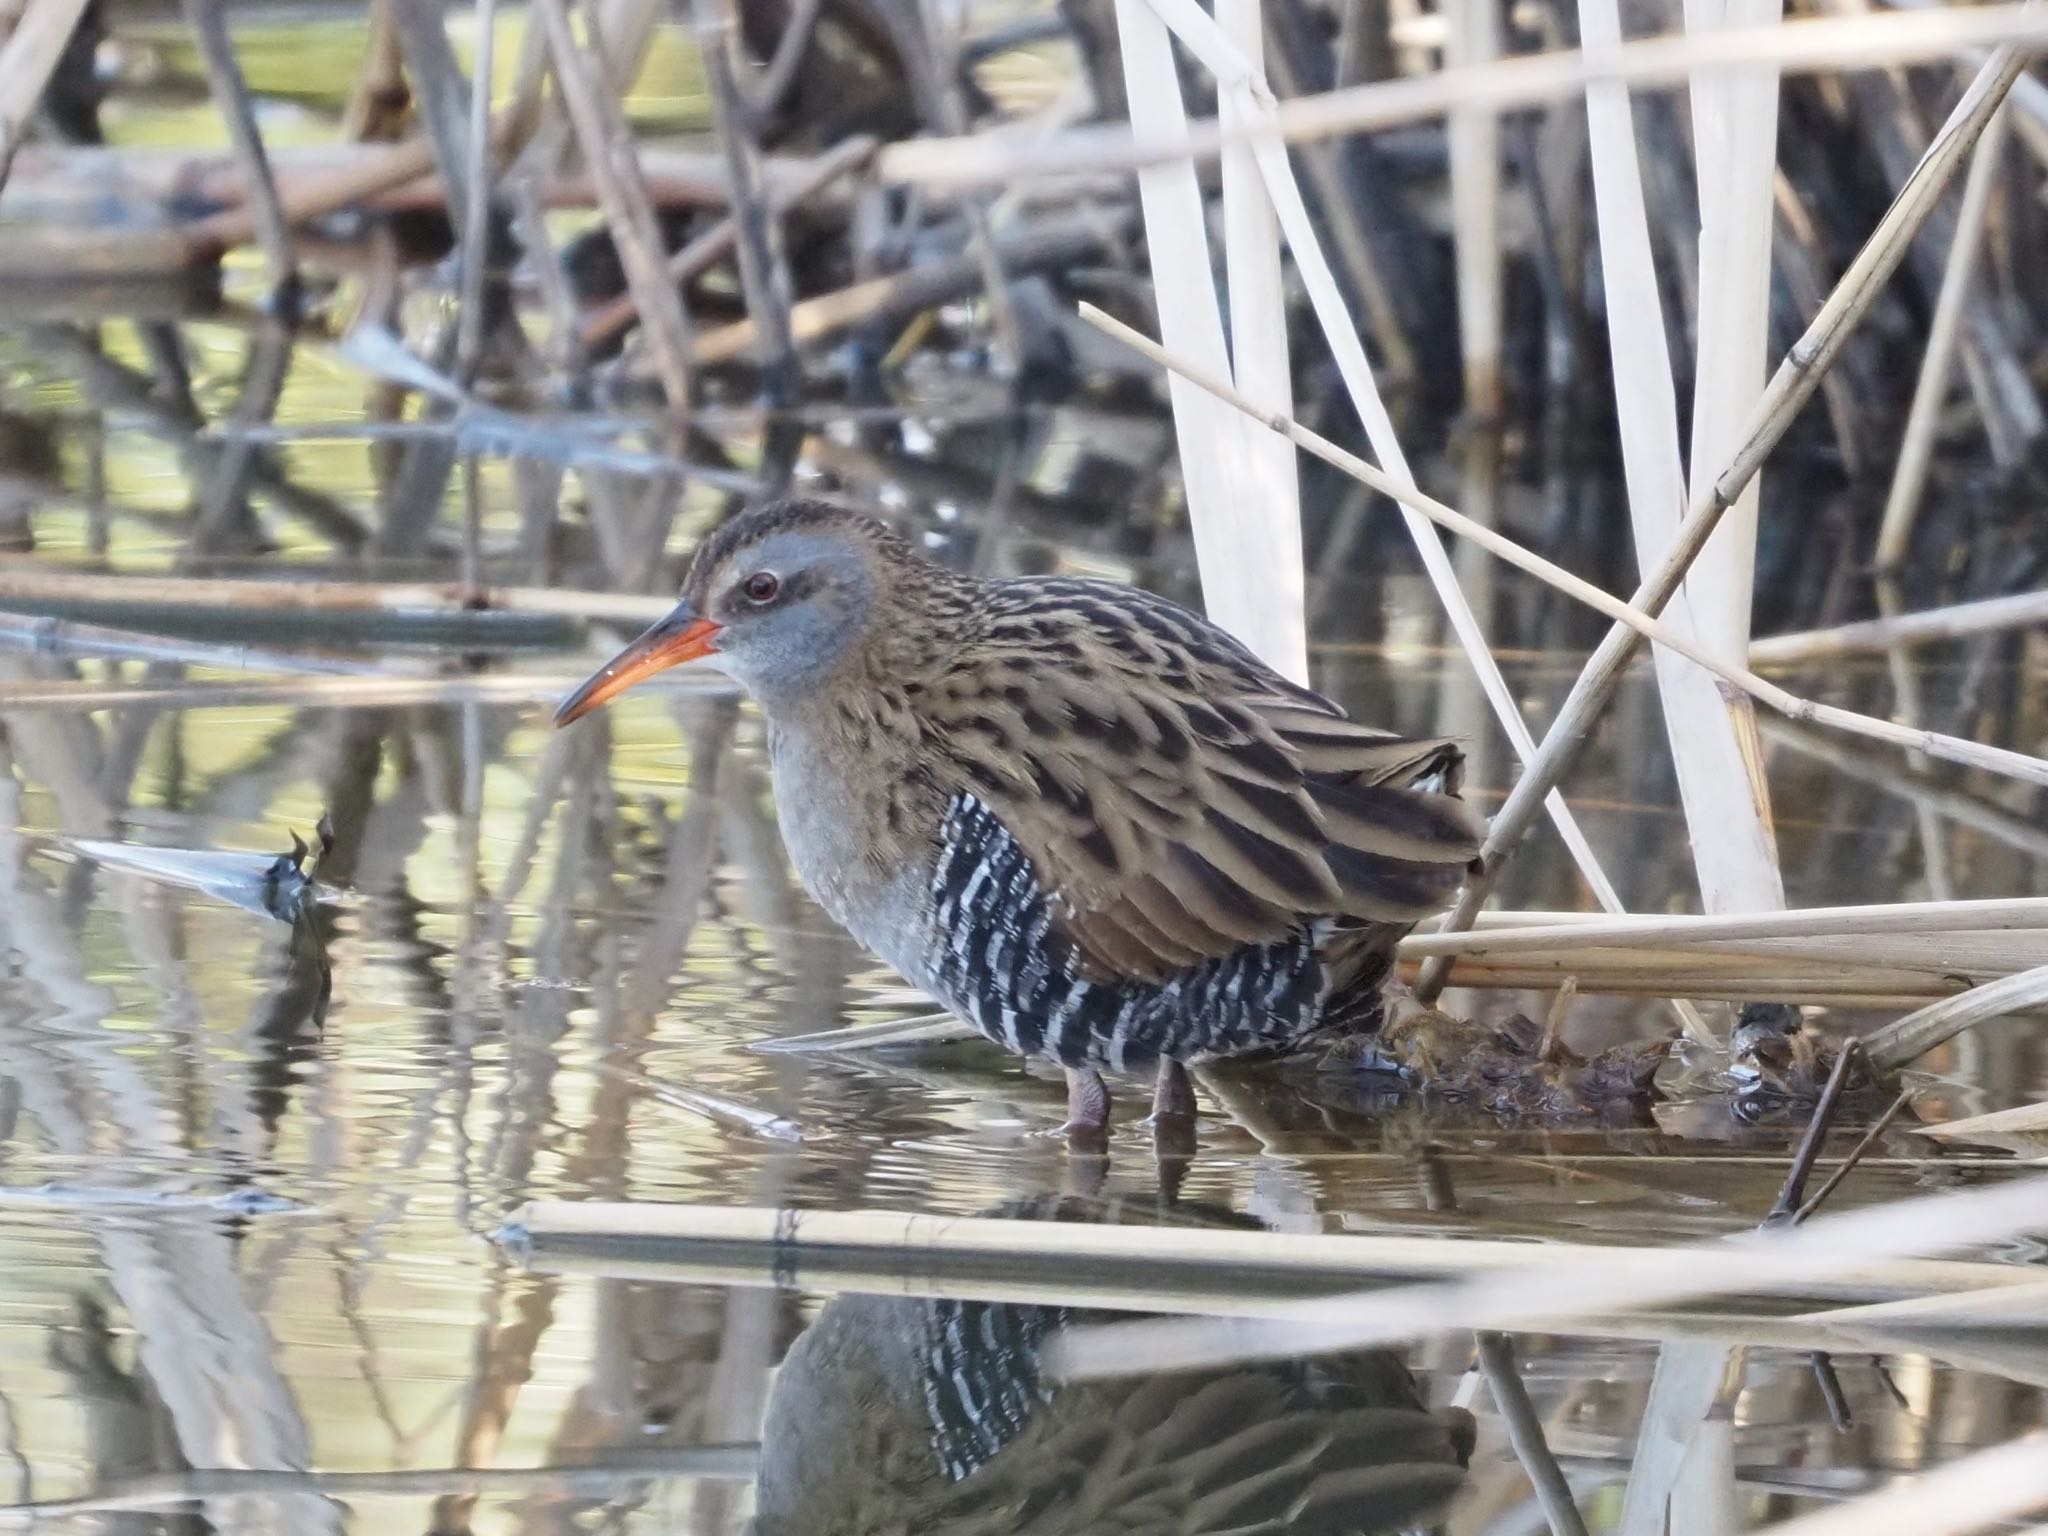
1822, 45
1735, 140
2020, 610
1258, 343
1633, 620
1937, 362
924, 1246
1906, 1040
611, 320
65, 637
1789, 389
1979, 1492
475, 227
1724, 808
230, 93
607, 143
763, 266
27, 58
1826, 1250
1051, 243
1515, 932
21, 586
1525, 1433
1474, 145
1237, 76
1234, 548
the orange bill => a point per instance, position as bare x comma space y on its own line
680, 637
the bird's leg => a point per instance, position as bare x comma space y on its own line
1173, 1096
1173, 1115
1087, 1127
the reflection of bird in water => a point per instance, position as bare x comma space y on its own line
895, 1417
1089, 822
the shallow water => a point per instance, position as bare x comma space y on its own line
243, 1233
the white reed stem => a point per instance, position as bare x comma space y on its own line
1233, 545
1235, 73
1731, 841
1258, 355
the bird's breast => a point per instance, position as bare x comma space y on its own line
853, 856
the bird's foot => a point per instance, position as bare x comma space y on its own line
1087, 1127
1173, 1112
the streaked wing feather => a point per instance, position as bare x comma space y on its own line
1178, 798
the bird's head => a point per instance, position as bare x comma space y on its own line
780, 599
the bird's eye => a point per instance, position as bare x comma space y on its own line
761, 587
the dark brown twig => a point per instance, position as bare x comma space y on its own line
1856, 1155
1832, 1397
1525, 1434
1786, 1207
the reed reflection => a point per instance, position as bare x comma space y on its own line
934, 1416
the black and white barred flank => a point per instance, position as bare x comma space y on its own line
980, 1377
1000, 961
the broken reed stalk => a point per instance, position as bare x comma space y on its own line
608, 151
1823, 1251
1937, 362
1633, 621
763, 264
1809, 45
1908, 1039
617, 316
1735, 117
1237, 76
2021, 610
1719, 790
28, 56
230, 92
1792, 1194
1519, 1418
1790, 387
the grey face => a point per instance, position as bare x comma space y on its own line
791, 607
